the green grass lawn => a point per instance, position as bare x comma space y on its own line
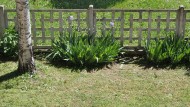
120, 85
127, 4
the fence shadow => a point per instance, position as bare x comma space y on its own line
82, 4
142, 62
10, 75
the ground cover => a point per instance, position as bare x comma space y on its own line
132, 84
119, 85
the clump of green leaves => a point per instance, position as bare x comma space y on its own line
9, 43
155, 51
84, 50
172, 48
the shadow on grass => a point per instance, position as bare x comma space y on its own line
142, 62
82, 4
40, 55
58, 63
187, 65
9, 76
146, 64
79, 68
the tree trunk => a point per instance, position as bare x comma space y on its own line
26, 59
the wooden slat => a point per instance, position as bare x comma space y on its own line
51, 28
52, 33
43, 28
143, 20
131, 28
6, 19
70, 26
108, 29
187, 10
136, 38
10, 20
104, 26
98, 10
94, 21
57, 29
10, 10
112, 21
60, 22
51, 17
158, 25
41, 38
108, 20
135, 10
16, 23
184, 22
113, 15
78, 21
167, 21
121, 29
56, 10
42, 47
140, 29
187, 20
82, 19
149, 26
34, 28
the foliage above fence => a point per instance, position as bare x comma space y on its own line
131, 27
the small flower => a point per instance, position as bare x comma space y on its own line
71, 18
112, 24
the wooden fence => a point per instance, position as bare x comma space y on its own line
131, 27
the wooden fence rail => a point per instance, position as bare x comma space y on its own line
131, 27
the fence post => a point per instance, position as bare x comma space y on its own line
2, 22
90, 20
180, 21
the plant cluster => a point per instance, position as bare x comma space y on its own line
172, 49
84, 50
9, 43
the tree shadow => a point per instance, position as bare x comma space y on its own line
82, 4
10, 75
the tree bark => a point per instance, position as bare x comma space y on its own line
26, 59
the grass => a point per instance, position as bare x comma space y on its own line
120, 85
127, 4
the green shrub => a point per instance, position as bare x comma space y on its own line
172, 49
83, 50
9, 43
